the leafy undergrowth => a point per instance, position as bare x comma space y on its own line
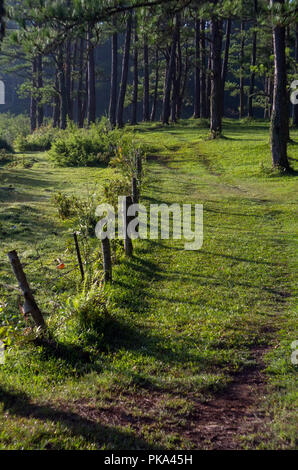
180, 323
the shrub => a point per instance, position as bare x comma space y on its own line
65, 205
85, 147
40, 140
82, 210
118, 185
12, 126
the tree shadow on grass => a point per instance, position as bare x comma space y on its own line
20, 405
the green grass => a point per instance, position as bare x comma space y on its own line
181, 323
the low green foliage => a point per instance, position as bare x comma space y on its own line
84, 147
41, 140
12, 126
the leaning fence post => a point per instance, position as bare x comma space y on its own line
30, 303
107, 259
127, 202
79, 255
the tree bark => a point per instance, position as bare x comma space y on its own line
146, 115
253, 64
62, 90
197, 97
135, 92
114, 75
208, 84
226, 61
280, 111
68, 79
154, 103
91, 80
33, 104
216, 85
40, 110
124, 75
241, 80
170, 72
295, 106
56, 101
80, 98
203, 109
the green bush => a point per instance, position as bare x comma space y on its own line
40, 140
85, 147
12, 126
65, 205
118, 185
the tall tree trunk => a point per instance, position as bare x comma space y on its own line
226, 61
62, 90
91, 80
170, 72
33, 104
114, 77
253, 64
154, 103
182, 86
208, 83
203, 110
68, 79
40, 110
56, 102
295, 106
241, 80
80, 98
280, 111
216, 85
134, 116
124, 75
174, 95
197, 97
146, 81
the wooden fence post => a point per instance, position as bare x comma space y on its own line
127, 202
135, 190
107, 259
79, 255
139, 167
30, 303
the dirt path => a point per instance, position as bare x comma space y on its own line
216, 425
220, 422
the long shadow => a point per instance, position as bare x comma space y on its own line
19, 404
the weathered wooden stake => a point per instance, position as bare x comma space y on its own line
107, 260
127, 202
139, 167
79, 255
30, 303
135, 191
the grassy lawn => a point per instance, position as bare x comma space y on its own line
181, 323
